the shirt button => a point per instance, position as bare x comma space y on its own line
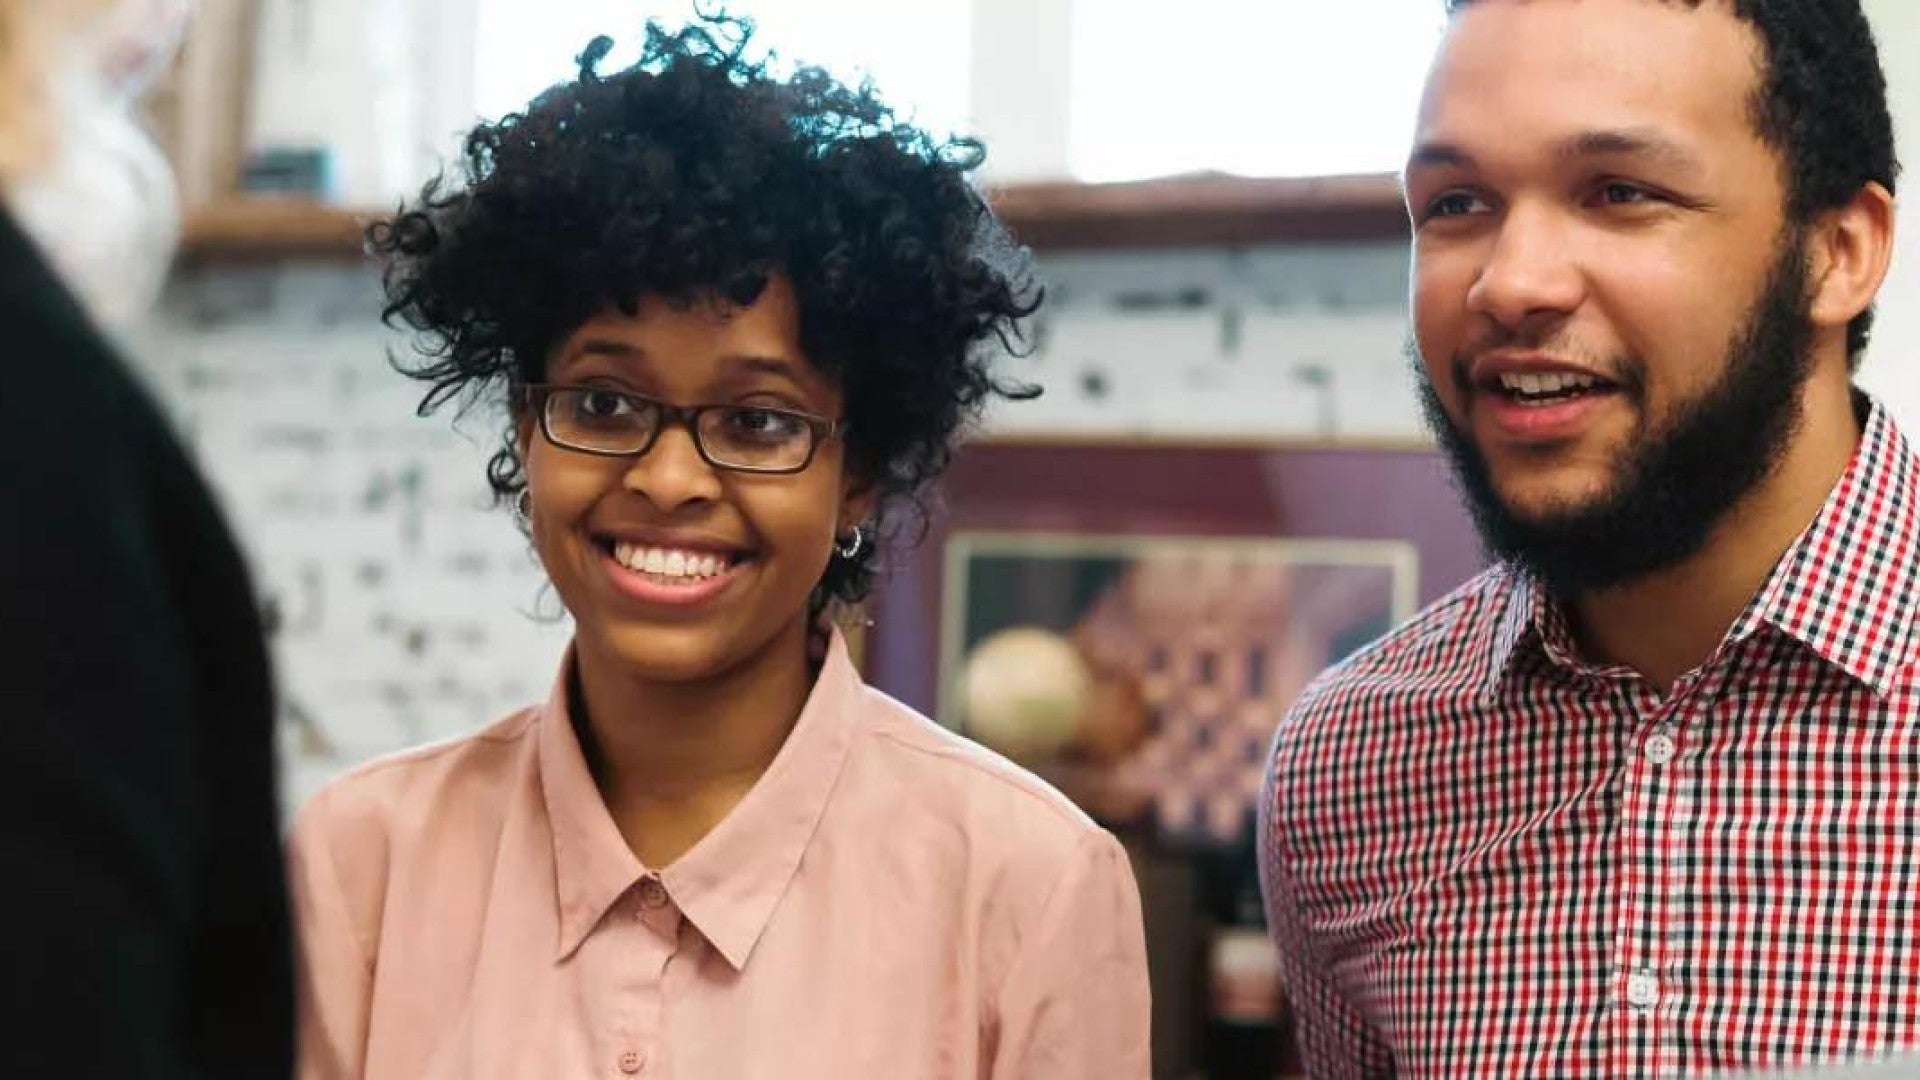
652, 893
632, 1062
1660, 747
1642, 990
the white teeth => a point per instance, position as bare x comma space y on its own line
667, 562
1540, 383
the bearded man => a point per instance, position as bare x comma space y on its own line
1644, 798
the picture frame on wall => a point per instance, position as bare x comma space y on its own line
1144, 675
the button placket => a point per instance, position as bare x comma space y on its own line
1648, 735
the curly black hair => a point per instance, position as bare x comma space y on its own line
696, 174
1821, 104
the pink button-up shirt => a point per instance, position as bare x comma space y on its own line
889, 901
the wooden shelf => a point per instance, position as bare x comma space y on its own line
1202, 211
262, 227
1186, 211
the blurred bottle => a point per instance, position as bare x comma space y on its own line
1243, 1033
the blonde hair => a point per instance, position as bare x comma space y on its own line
39, 42
79, 173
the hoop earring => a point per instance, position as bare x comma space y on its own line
522, 510
851, 546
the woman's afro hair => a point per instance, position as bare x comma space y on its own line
695, 175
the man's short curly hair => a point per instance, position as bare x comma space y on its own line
696, 174
1821, 104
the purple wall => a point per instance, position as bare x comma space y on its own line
1306, 493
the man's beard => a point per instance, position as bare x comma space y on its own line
1676, 483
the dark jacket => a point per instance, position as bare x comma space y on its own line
142, 898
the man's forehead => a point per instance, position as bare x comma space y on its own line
1592, 64
1717, 21
1456, 6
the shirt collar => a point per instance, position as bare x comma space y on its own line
1516, 613
1849, 586
1527, 620
729, 884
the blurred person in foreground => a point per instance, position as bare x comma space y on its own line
733, 321
147, 924
1644, 798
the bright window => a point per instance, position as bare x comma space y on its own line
917, 52
1251, 87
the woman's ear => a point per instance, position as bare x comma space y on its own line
859, 498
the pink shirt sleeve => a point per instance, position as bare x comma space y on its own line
1075, 1004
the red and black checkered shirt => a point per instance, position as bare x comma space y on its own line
1485, 857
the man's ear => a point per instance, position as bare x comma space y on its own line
1848, 251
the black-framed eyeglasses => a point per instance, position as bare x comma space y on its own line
743, 438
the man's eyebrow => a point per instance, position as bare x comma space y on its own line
1437, 155
1627, 143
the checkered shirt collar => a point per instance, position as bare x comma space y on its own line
1848, 588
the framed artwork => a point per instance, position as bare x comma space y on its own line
1040, 503
1145, 674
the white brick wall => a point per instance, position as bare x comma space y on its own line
1298, 342
404, 599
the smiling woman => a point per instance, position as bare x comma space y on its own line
751, 480
736, 321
